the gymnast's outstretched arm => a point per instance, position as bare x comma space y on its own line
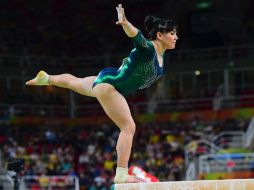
128, 28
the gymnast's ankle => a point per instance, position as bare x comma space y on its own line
121, 175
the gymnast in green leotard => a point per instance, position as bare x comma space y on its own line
139, 70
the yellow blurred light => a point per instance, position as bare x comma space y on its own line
197, 73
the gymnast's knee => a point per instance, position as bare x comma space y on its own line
129, 128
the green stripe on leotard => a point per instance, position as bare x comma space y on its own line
138, 71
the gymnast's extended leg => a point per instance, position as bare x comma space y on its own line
80, 85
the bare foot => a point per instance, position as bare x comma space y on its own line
134, 179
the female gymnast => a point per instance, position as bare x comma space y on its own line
138, 71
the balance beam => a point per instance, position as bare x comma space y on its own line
228, 184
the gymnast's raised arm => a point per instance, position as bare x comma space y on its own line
129, 29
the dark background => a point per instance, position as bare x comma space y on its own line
81, 28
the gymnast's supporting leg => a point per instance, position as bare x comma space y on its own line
80, 85
116, 107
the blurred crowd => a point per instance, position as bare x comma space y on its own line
88, 152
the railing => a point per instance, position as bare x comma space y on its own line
33, 110
229, 139
6, 183
100, 61
249, 135
215, 163
179, 105
1, 159
191, 172
200, 147
50, 182
137, 107
48, 62
227, 53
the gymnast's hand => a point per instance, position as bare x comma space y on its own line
128, 28
121, 16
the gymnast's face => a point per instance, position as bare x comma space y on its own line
168, 39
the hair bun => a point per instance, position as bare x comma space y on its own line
149, 22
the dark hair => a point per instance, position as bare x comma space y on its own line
154, 25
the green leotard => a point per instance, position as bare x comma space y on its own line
138, 71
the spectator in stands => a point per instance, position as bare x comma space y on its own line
142, 68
